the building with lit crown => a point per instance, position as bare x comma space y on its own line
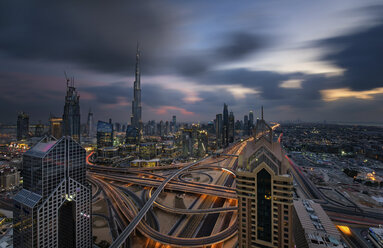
265, 192
54, 207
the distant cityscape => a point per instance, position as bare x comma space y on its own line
228, 182
202, 124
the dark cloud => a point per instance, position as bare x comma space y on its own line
235, 45
109, 94
94, 34
361, 55
240, 44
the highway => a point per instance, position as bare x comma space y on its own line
133, 224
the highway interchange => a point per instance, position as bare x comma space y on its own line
211, 219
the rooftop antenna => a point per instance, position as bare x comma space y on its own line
67, 79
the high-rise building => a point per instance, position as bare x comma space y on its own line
22, 126
89, 124
246, 125
39, 129
174, 123
219, 129
54, 207
56, 127
136, 121
251, 119
104, 134
265, 192
231, 127
71, 116
312, 226
225, 126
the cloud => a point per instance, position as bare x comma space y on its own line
336, 94
93, 34
162, 110
292, 84
360, 54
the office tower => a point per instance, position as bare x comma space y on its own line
219, 129
174, 123
71, 116
246, 125
54, 207
56, 127
312, 226
136, 121
104, 134
166, 128
123, 128
194, 141
225, 127
39, 129
265, 192
251, 119
231, 127
89, 124
117, 127
22, 126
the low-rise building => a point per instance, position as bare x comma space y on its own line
9, 178
312, 226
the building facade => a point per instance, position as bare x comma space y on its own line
218, 129
90, 124
56, 127
225, 126
22, 126
71, 115
312, 226
54, 207
265, 192
104, 134
136, 121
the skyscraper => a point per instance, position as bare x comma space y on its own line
104, 134
71, 116
89, 124
231, 127
56, 127
251, 119
225, 126
136, 121
218, 129
246, 125
54, 207
22, 126
174, 123
265, 192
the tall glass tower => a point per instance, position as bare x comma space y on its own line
71, 116
54, 207
22, 126
136, 121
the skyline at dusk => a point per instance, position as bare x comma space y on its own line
300, 61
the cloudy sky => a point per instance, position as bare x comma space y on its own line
308, 60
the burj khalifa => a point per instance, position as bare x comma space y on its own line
136, 120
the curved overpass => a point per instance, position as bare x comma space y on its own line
131, 212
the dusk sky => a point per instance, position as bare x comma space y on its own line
312, 60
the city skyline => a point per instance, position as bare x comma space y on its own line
318, 64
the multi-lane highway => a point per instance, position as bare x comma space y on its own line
129, 215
